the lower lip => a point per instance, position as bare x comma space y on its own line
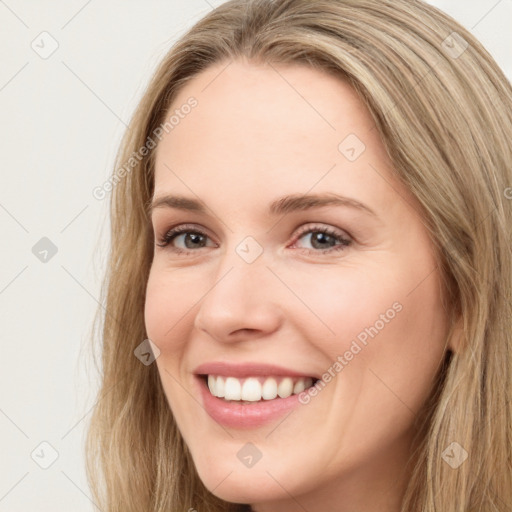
237, 415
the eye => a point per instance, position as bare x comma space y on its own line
191, 237
323, 239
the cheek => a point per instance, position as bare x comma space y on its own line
401, 332
415, 344
376, 320
168, 326
334, 306
165, 309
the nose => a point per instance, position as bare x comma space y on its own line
241, 302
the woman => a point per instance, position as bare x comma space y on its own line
252, 371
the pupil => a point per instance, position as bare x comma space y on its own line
195, 238
321, 237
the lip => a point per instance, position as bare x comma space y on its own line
233, 414
249, 369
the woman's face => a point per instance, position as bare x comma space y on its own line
358, 307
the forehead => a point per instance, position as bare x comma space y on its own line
253, 104
260, 130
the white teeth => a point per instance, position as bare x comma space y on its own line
233, 389
219, 387
299, 387
285, 388
251, 390
254, 389
302, 384
211, 384
269, 389
216, 386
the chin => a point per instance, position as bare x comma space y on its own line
240, 485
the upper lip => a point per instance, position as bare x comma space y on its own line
247, 369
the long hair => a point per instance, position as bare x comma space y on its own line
443, 109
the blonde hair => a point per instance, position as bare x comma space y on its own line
445, 117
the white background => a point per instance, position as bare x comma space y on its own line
61, 121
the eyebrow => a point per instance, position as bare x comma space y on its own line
281, 206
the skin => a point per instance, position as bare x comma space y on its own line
260, 132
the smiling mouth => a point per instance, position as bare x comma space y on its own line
255, 389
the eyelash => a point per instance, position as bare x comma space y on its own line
166, 240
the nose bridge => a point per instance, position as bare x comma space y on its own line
240, 295
241, 268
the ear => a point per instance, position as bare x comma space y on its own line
456, 339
